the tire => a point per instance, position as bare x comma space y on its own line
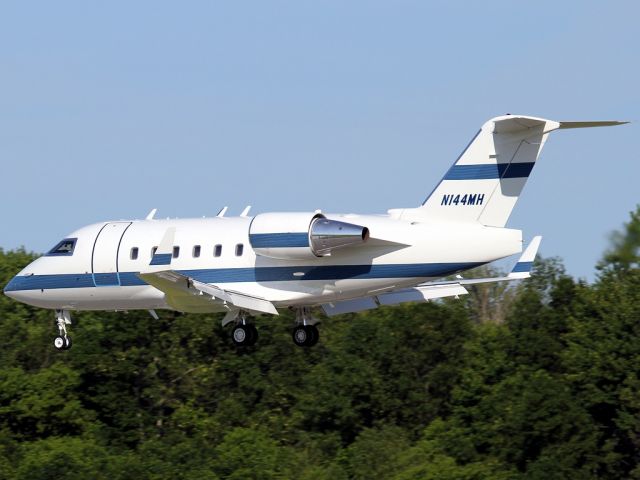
59, 343
67, 343
253, 337
314, 335
241, 335
300, 336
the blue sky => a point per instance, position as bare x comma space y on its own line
110, 109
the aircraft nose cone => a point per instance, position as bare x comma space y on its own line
10, 288
10, 294
20, 289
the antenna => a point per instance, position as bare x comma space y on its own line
151, 214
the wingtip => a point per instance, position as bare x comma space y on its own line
524, 266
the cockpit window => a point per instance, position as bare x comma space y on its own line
65, 247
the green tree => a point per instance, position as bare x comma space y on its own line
62, 458
373, 454
624, 252
251, 454
602, 361
41, 404
429, 460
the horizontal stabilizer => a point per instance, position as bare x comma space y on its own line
605, 123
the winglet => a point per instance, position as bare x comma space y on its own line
162, 255
523, 268
222, 211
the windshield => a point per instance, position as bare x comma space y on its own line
65, 247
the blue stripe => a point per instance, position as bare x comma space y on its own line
523, 267
489, 171
279, 240
261, 274
106, 279
161, 259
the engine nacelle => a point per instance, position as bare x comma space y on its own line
298, 236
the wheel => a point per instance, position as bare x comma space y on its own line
300, 336
305, 335
59, 343
253, 337
241, 335
314, 335
67, 343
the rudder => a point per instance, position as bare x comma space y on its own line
486, 180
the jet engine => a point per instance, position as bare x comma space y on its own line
297, 236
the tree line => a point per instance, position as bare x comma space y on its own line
535, 381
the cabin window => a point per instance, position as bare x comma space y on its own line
63, 248
196, 251
217, 250
239, 249
176, 252
153, 251
134, 253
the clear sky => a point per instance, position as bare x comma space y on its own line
109, 109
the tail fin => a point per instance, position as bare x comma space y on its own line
486, 180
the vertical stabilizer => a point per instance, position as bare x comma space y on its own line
486, 180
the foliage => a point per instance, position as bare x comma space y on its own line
537, 381
624, 253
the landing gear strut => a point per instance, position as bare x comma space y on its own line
305, 333
63, 340
244, 333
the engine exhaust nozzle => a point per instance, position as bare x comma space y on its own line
326, 235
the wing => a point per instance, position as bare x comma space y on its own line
188, 295
432, 290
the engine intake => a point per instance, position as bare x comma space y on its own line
290, 236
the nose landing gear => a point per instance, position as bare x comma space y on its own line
63, 340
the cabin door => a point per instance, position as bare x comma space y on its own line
104, 259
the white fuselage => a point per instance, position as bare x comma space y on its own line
102, 271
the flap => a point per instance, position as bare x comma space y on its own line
184, 293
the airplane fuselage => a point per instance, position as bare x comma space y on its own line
102, 271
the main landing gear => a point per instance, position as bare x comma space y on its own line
244, 333
305, 333
63, 340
